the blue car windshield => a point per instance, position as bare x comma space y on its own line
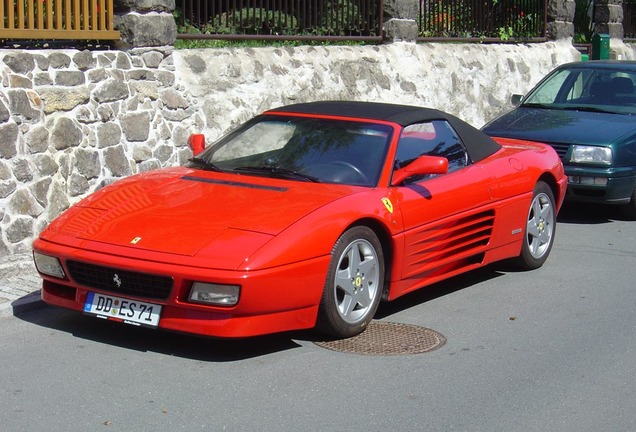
586, 89
304, 149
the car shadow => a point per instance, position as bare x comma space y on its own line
226, 350
159, 341
441, 289
585, 213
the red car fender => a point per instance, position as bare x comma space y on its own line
315, 234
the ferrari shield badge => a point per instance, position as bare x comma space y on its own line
388, 204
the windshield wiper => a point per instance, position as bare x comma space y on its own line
589, 109
204, 164
538, 105
279, 172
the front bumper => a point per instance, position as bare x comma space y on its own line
600, 185
271, 300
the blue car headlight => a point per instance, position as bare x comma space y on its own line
591, 155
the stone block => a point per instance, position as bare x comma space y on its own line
152, 59
65, 134
561, 10
401, 9
8, 140
19, 81
23, 203
37, 139
20, 63
22, 104
78, 185
614, 30
4, 112
559, 30
45, 164
84, 60
608, 14
116, 161
59, 60
69, 78
136, 126
20, 229
111, 90
7, 187
22, 170
152, 29
87, 163
57, 99
108, 134
40, 189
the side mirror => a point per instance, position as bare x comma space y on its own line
515, 99
420, 166
196, 143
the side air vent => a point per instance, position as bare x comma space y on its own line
450, 245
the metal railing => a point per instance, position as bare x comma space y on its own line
57, 19
280, 19
482, 20
485, 20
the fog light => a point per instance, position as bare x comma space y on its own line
600, 181
48, 265
221, 295
586, 180
593, 181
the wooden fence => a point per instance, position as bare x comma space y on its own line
57, 19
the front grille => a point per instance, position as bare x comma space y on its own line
561, 149
120, 281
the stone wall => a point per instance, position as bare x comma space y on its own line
560, 19
73, 121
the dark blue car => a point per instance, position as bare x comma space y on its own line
587, 112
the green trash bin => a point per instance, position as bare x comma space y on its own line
600, 47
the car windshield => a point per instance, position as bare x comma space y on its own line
302, 148
586, 89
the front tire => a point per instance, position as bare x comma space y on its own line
354, 284
540, 228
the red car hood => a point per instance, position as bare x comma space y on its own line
180, 210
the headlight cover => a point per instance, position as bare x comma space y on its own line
49, 265
591, 155
214, 294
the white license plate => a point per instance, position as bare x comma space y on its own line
120, 309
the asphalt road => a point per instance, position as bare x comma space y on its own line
548, 350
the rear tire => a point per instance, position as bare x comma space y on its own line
540, 228
354, 284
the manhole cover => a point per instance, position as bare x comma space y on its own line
388, 338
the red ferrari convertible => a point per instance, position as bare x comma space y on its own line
305, 216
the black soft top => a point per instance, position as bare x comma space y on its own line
478, 144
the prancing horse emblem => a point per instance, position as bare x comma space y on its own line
117, 280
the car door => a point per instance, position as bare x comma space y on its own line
448, 218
